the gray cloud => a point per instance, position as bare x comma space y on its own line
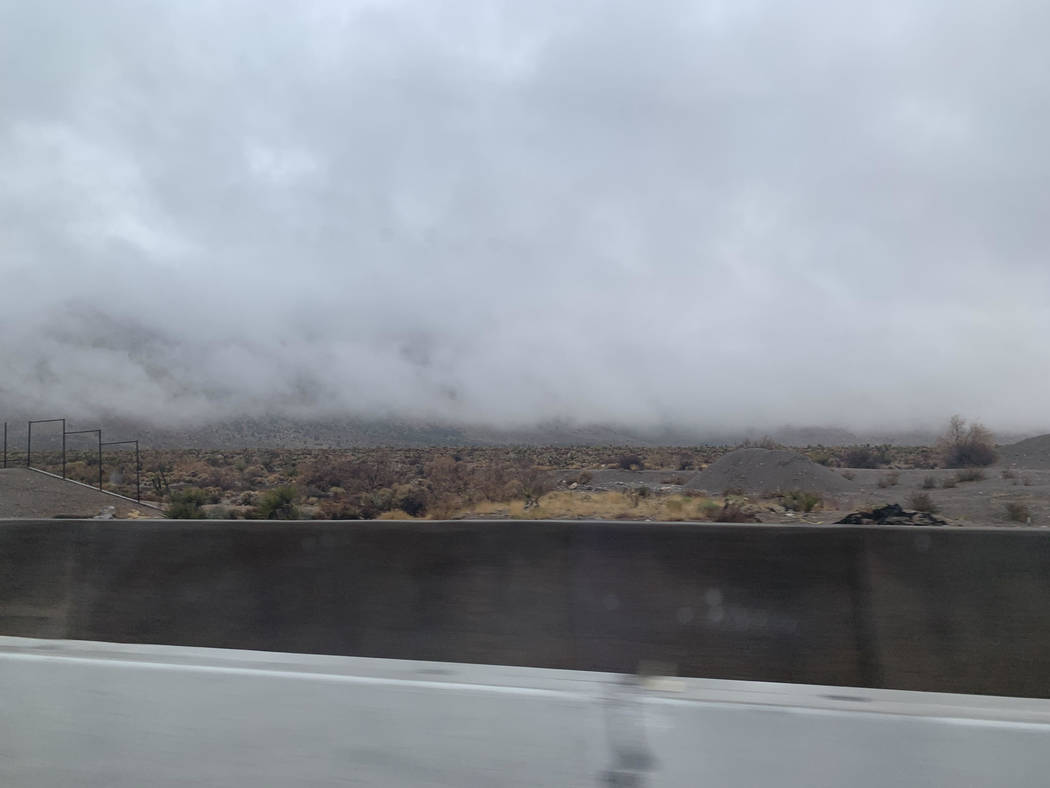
744, 213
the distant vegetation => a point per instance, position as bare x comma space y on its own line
278, 504
923, 502
187, 504
441, 483
964, 446
801, 500
866, 456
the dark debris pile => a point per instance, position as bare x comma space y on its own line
891, 514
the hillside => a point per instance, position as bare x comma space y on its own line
1030, 453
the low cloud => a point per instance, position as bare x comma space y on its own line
704, 214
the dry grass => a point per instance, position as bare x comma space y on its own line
801, 500
923, 502
395, 514
889, 479
423, 482
571, 505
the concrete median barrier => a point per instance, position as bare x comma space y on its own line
947, 610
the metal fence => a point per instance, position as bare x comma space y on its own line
53, 454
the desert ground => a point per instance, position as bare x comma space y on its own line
749, 483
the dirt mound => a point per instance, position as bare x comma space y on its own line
768, 470
1030, 453
891, 514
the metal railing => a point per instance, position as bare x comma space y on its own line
65, 433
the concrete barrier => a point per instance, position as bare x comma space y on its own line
934, 609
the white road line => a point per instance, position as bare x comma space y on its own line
497, 689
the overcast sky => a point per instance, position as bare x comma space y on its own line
731, 213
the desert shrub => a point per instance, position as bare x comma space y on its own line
822, 457
494, 481
1009, 473
922, 502
733, 512
443, 508
849, 475
765, 442
447, 476
159, 479
948, 482
801, 500
411, 500
730, 492
1026, 480
929, 482
709, 509
354, 475
395, 514
187, 504
584, 477
673, 480
531, 483
970, 475
966, 447
221, 478
338, 510
629, 462
864, 457
278, 504
1018, 512
889, 479
636, 494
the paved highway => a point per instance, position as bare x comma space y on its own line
94, 714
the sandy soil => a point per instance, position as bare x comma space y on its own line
968, 503
762, 471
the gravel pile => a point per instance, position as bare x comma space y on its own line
1030, 453
768, 470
